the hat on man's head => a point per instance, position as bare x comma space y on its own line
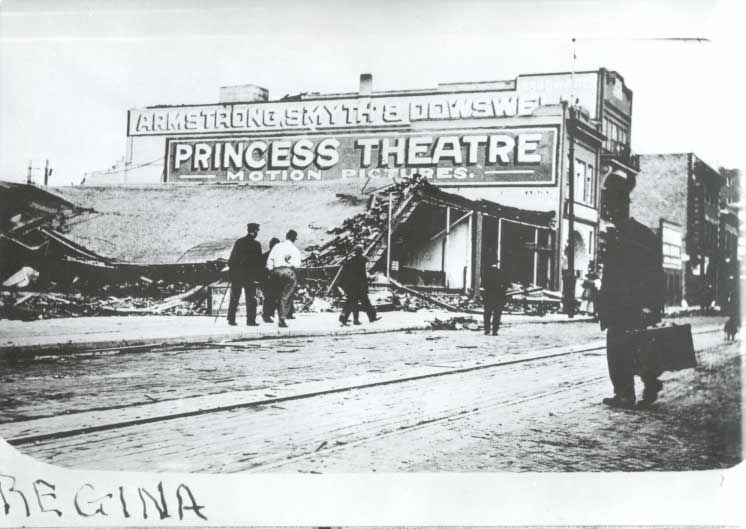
252, 226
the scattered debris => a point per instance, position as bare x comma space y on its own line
23, 305
456, 323
23, 278
430, 300
24, 298
363, 229
320, 305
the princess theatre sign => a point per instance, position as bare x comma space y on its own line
314, 140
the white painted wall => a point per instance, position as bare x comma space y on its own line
145, 157
457, 255
429, 256
535, 198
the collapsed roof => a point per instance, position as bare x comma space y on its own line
369, 228
24, 207
132, 227
188, 224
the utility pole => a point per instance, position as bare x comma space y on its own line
31, 169
569, 279
570, 276
388, 240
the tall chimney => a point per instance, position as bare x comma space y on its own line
366, 84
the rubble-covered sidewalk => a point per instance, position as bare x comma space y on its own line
70, 335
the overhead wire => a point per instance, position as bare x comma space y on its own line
127, 168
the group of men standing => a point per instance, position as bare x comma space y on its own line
274, 271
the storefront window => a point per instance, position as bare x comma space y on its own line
584, 183
579, 180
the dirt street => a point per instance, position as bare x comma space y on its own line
527, 400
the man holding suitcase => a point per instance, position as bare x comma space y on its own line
631, 296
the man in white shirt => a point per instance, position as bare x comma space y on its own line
282, 262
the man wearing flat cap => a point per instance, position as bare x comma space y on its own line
246, 269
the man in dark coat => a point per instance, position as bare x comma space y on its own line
269, 290
246, 269
495, 286
631, 298
353, 280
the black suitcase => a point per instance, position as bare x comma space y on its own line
660, 349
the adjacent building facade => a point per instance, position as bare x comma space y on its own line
679, 195
527, 143
730, 213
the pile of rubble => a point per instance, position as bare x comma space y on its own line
307, 298
457, 323
531, 300
45, 305
362, 229
127, 298
42, 305
411, 303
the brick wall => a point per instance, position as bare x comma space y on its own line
661, 190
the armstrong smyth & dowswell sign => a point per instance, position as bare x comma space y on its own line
356, 138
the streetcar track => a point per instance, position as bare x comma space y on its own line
17, 441
145, 447
24, 440
453, 415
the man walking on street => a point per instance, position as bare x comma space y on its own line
354, 282
495, 286
269, 291
631, 295
245, 271
283, 260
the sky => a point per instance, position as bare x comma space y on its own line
70, 70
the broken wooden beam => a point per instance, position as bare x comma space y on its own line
429, 299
